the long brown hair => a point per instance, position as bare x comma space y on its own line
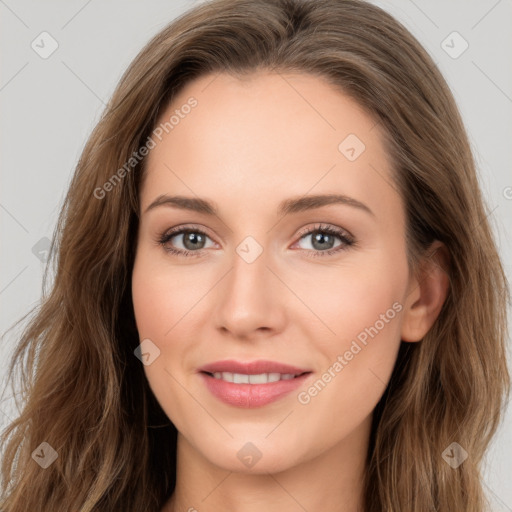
84, 391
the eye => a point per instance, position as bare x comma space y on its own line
323, 240
192, 240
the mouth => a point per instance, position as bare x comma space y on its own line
252, 384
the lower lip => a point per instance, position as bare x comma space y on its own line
251, 395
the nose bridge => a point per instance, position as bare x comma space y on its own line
250, 276
249, 299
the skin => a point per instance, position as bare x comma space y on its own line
246, 146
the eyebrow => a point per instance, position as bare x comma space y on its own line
288, 206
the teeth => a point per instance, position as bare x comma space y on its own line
239, 378
261, 378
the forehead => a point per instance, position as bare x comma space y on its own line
264, 137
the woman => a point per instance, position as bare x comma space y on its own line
276, 282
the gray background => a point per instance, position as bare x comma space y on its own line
49, 106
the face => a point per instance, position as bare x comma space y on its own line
271, 275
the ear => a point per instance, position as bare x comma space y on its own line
426, 294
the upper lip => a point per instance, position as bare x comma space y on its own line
252, 367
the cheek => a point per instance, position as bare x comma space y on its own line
169, 307
162, 295
359, 333
160, 304
351, 297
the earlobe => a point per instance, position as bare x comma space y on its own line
427, 293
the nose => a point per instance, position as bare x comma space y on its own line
251, 298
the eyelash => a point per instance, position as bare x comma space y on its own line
347, 240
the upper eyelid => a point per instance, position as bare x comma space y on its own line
188, 227
322, 226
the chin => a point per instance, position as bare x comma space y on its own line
250, 457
